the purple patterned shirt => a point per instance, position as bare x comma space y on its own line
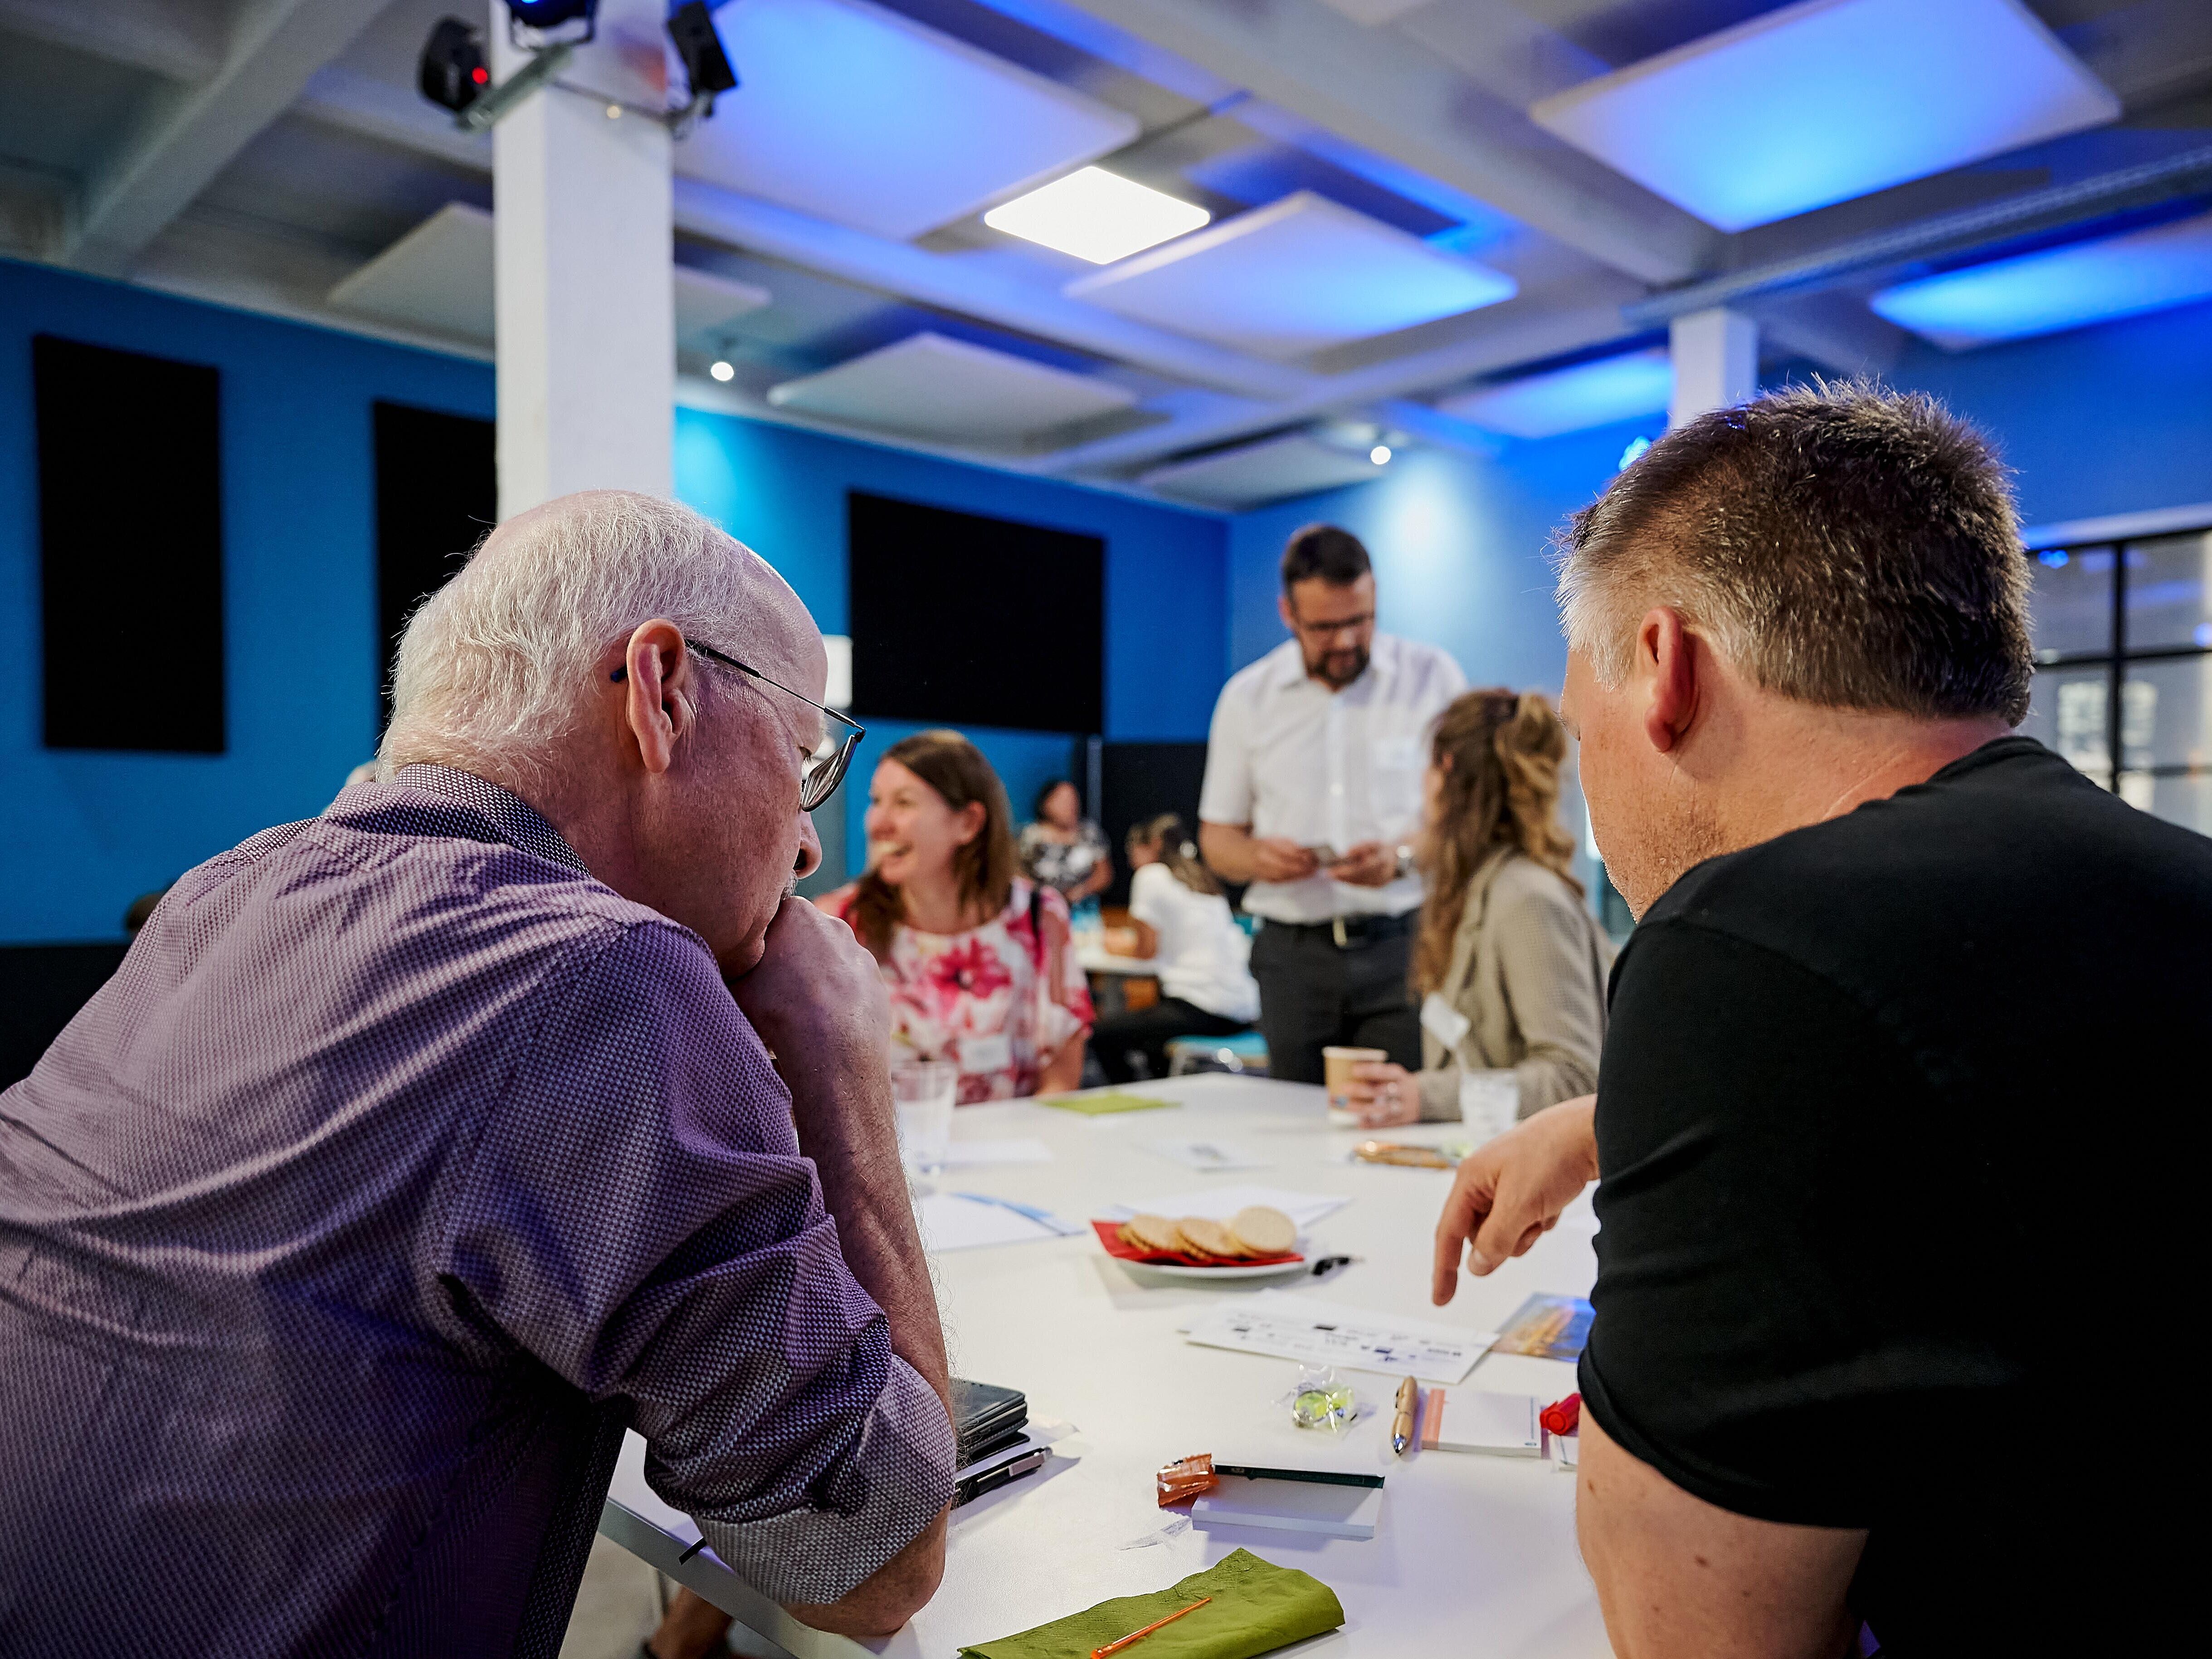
399, 1166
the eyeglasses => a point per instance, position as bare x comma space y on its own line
824, 769
1326, 630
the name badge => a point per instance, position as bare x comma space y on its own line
1443, 1021
979, 1055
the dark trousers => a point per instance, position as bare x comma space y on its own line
1118, 1038
1315, 993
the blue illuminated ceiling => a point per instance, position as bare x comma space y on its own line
2058, 288
1572, 399
1830, 99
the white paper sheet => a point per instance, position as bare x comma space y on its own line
1219, 1203
1290, 1326
966, 1154
1207, 1156
949, 1221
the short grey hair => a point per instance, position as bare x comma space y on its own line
1842, 544
495, 669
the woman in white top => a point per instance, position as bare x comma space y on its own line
1179, 918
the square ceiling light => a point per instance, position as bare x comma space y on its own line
1294, 277
1823, 101
1096, 215
1572, 399
1294, 464
2058, 288
931, 386
862, 117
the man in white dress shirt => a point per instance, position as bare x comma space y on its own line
1313, 792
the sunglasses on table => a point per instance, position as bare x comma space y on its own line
823, 770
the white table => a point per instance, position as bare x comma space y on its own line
1475, 1555
1097, 959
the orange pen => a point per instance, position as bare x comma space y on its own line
1139, 1635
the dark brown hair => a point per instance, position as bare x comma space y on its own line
956, 770
1163, 834
1842, 545
1337, 557
1499, 753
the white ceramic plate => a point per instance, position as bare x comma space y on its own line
1265, 1270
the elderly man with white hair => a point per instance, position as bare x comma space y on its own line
419, 1149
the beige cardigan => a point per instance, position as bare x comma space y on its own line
1528, 969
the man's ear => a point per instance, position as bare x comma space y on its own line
968, 821
1283, 609
661, 703
1667, 657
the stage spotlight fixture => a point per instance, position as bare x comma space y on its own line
720, 369
452, 71
532, 24
705, 65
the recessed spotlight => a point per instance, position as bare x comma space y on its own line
1634, 453
720, 369
1096, 215
1380, 454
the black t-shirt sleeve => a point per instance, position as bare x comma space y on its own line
1758, 1338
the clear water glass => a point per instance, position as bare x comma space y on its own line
922, 1095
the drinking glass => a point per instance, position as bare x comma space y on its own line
1489, 1102
923, 1094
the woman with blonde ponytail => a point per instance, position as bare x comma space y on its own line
1510, 963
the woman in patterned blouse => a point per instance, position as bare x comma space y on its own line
979, 960
1063, 850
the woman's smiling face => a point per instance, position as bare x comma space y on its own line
912, 830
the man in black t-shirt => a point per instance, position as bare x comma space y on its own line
1914, 1016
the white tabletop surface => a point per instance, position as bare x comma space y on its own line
1474, 1555
1097, 959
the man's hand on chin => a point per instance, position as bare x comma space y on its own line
816, 996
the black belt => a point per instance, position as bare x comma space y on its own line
1345, 932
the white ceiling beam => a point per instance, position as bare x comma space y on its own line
177, 39
183, 138
1566, 323
1380, 90
1836, 331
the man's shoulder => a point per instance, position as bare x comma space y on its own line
1417, 658
1255, 677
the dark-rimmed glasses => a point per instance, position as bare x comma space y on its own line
824, 769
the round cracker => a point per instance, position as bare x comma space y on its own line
1153, 1232
1264, 1231
1211, 1237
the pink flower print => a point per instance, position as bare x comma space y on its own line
972, 969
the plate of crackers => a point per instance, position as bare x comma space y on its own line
1254, 1242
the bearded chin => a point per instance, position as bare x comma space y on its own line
1327, 671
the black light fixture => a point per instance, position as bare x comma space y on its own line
453, 74
705, 65
542, 18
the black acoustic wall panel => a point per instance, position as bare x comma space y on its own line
437, 492
962, 620
1139, 781
129, 549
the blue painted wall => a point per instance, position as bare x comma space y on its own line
81, 834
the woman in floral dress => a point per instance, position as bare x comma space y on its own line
978, 958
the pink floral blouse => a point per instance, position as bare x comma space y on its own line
996, 1000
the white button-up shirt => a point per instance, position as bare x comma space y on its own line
1290, 758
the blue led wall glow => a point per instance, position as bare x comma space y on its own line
1832, 99
1571, 399
2059, 288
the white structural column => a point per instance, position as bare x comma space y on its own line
1716, 356
582, 238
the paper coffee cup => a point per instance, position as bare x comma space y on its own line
1336, 1066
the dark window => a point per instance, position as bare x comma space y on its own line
962, 620
437, 492
129, 549
2123, 667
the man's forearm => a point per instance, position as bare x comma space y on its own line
847, 1132
1227, 848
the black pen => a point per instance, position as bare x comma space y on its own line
1319, 1477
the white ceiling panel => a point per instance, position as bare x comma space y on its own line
934, 387
1572, 399
1828, 100
1297, 275
1292, 465
439, 276
864, 118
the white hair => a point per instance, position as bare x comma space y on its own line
495, 668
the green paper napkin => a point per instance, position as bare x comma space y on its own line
1113, 1100
1257, 1607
